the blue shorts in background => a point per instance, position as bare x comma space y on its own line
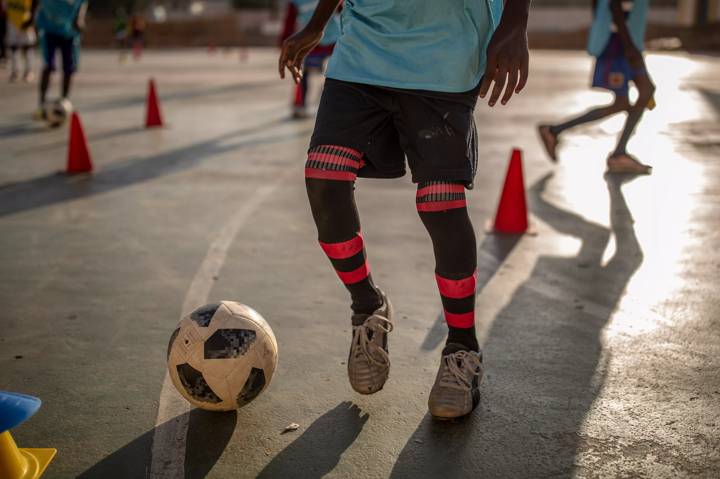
612, 69
69, 48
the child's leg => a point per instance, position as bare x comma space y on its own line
27, 60
620, 104
330, 175
646, 90
443, 211
13, 62
44, 84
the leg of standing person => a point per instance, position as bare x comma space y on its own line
27, 54
14, 68
70, 50
48, 46
550, 133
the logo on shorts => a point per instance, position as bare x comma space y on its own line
616, 79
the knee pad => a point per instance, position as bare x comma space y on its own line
331, 162
440, 196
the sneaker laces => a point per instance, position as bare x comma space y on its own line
377, 325
459, 370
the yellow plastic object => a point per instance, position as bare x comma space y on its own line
651, 104
25, 463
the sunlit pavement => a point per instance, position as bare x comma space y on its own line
600, 333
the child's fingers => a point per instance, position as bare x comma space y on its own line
524, 72
488, 77
282, 61
511, 85
500, 78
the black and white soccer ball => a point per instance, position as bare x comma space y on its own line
222, 356
57, 111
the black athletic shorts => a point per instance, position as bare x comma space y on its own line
434, 130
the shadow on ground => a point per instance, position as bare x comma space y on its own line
56, 188
208, 435
544, 348
317, 451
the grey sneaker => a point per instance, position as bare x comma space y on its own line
455, 393
368, 361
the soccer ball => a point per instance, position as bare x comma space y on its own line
222, 356
57, 111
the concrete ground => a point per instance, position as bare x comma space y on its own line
600, 333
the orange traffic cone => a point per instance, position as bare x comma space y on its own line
78, 160
153, 117
512, 216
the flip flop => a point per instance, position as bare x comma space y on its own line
625, 163
549, 140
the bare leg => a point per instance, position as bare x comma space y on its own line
646, 90
549, 133
620, 104
44, 84
67, 82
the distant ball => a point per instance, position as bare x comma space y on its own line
57, 111
222, 356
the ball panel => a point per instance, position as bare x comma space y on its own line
195, 385
229, 343
253, 386
204, 314
172, 340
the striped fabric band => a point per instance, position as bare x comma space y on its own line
440, 196
356, 275
464, 320
345, 249
331, 162
457, 288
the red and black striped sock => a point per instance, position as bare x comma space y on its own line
443, 210
330, 173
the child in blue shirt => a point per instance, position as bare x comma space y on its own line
298, 15
59, 24
616, 40
403, 82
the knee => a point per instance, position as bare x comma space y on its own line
437, 196
329, 171
622, 103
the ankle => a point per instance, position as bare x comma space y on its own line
464, 336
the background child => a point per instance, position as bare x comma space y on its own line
20, 37
616, 40
297, 15
59, 23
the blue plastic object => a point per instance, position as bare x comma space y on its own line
15, 408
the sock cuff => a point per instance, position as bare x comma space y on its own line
434, 196
333, 162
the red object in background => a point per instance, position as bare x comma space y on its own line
512, 216
78, 160
153, 117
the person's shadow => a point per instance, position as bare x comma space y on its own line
317, 451
208, 435
544, 360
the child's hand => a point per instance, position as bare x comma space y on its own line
507, 63
294, 51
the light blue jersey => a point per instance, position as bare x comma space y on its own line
58, 16
437, 45
601, 28
306, 8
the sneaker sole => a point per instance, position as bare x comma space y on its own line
475, 403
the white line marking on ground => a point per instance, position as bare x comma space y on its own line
170, 436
